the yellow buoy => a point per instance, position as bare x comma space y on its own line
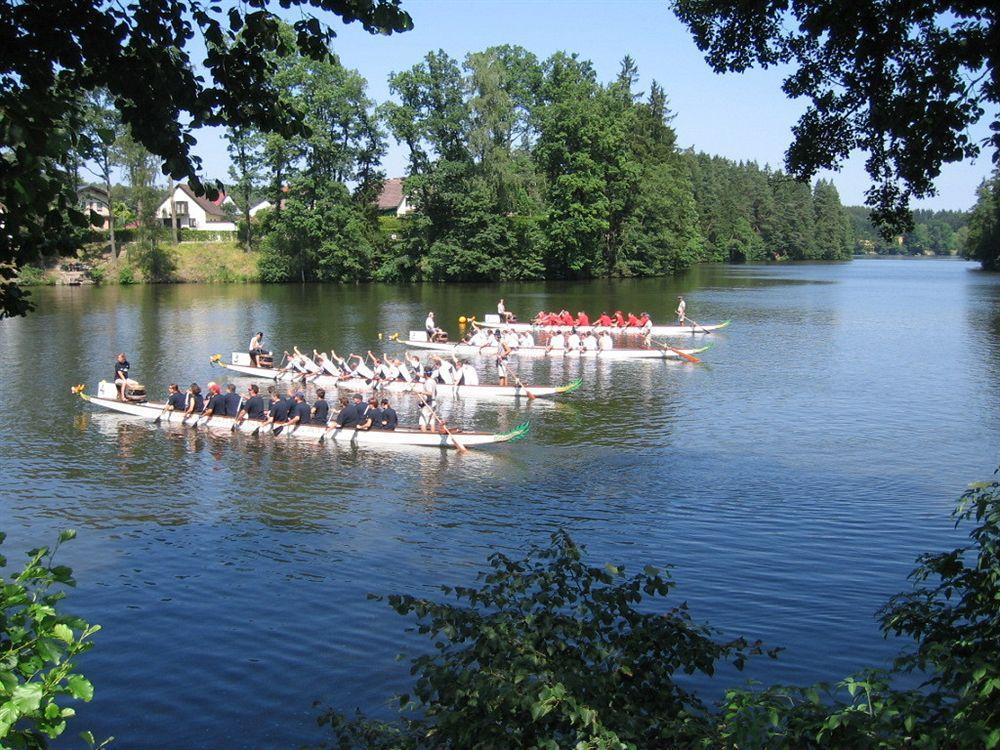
380, 337
461, 319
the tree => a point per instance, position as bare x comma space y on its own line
246, 156
104, 130
903, 82
550, 652
983, 241
46, 68
831, 229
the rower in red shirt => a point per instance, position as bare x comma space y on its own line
633, 321
553, 319
567, 318
644, 320
582, 319
619, 319
604, 320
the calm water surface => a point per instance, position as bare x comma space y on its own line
791, 480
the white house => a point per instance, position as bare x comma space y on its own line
198, 213
262, 206
392, 200
94, 198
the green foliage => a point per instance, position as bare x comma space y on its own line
320, 235
57, 52
40, 645
902, 82
550, 652
33, 276
983, 241
126, 275
97, 274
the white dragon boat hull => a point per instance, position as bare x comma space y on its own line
493, 321
397, 386
150, 411
541, 351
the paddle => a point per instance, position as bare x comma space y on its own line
327, 431
679, 352
531, 396
461, 448
160, 415
696, 323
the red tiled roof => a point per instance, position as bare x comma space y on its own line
391, 195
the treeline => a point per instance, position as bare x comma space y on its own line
519, 168
933, 233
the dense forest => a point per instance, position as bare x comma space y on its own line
519, 168
933, 233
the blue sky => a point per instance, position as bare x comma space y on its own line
738, 116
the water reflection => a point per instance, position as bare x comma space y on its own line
841, 413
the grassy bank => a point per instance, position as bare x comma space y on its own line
219, 262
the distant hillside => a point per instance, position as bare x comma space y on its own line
934, 233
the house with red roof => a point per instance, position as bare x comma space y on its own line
392, 201
198, 212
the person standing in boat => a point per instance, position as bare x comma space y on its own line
121, 374
176, 401
681, 310
320, 408
501, 363
257, 348
389, 417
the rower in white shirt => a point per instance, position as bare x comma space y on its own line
511, 339
445, 371
526, 339
308, 364
558, 341
573, 341
479, 338
468, 373
360, 370
590, 342
606, 341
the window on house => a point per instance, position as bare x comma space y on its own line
181, 208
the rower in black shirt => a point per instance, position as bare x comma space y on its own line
253, 405
372, 419
195, 404
176, 400
300, 411
348, 415
389, 418
121, 375
216, 406
320, 409
279, 410
233, 401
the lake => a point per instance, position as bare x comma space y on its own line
791, 479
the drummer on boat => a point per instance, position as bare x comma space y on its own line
505, 315
681, 310
257, 348
121, 374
